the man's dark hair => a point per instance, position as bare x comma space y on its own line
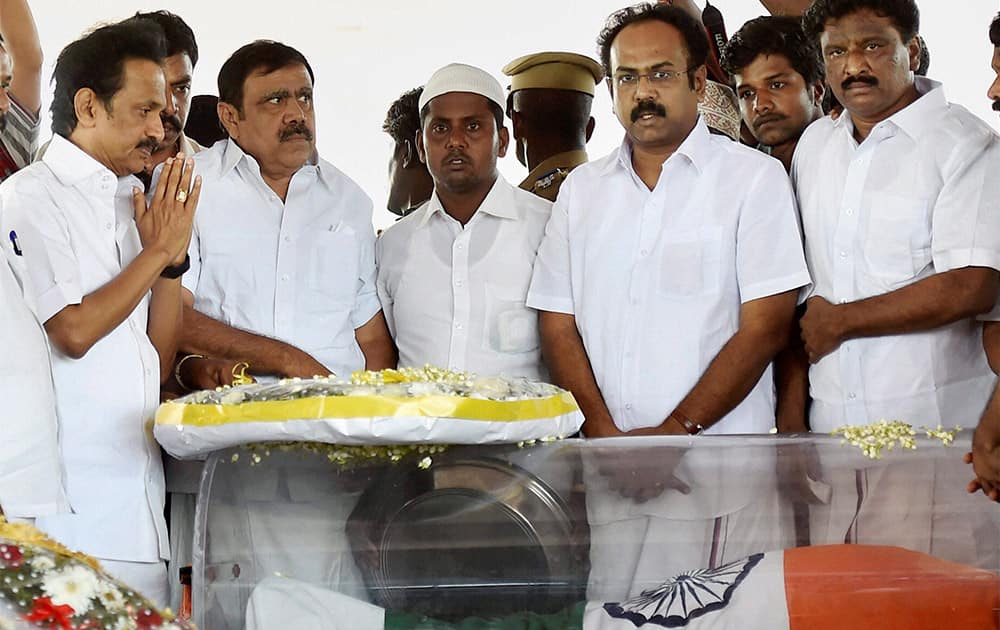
995, 31
904, 14
180, 37
496, 109
691, 30
97, 61
402, 121
262, 55
774, 35
556, 113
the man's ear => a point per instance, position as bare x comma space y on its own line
504, 137
230, 119
420, 146
590, 127
87, 107
700, 79
913, 49
408, 153
818, 90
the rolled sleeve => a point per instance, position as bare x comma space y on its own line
965, 224
382, 284
769, 255
551, 286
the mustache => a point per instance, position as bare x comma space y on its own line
297, 128
148, 143
996, 106
760, 121
171, 119
648, 107
869, 81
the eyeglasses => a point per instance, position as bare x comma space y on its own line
656, 78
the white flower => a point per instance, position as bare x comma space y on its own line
170, 626
110, 596
42, 563
125, 623
73, 586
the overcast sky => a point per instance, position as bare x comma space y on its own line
366, 53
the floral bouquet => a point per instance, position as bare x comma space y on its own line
45, 585
406, 406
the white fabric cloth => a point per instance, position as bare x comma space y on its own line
281, 602
302, 271
31, 472
656, 278
919, 196
456, 297
75, 225
148, 578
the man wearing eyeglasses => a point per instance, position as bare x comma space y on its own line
667, 282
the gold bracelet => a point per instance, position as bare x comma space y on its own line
240, 376
177, 369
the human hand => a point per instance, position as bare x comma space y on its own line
165, 224
199, 373
641, 478
822, 330
985, 458
301, 364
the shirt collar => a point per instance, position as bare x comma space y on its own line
696, 148
71, 164
917, 117
499, 202
234, 155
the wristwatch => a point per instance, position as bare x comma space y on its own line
176, 271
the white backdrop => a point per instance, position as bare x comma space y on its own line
366, 53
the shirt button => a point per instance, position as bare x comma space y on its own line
458, 283
460, 246
843, 254
850, 212
644, 252
107, 226
458, 326
284, 278
288, 239
852, 396
628, 406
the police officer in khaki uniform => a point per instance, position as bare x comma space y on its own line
551, 94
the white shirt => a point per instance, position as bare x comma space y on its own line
31, 473
656, 278
919, 196
302, 271
75, 226
454, 297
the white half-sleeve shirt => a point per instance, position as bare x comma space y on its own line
454, 296
920, 196
656, 278
75, 226
301, 271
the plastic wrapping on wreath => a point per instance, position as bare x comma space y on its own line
45, 585
483, 411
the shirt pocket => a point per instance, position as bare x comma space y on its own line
897, 243
510, 326
690, 262
332, 264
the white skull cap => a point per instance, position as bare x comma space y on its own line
459, 77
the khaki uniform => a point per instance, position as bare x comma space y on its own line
546, 178
553, 71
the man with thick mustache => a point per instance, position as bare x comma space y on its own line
669, 270
667, 282
102, 272
901, 214
282, 258
453, 275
